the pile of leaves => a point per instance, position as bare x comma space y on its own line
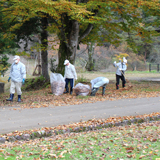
44, 97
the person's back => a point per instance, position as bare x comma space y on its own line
98, 82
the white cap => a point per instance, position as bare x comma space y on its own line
66, 61
16, 57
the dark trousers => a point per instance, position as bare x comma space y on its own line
117, 81
71, 81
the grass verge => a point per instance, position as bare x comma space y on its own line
137, 141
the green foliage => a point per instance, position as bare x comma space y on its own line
53, 66
6, 39
4, 65
35, 83
82, 79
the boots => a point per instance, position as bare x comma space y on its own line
93, 92
71, 90
67, 91
103, 90
11, 97
117, 86
19, 98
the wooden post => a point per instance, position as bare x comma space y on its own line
149, 67
157, 67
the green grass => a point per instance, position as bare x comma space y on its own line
129, 142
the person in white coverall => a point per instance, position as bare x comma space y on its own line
121, 68
69, 75
99, 82
17, 77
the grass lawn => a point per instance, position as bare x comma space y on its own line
140, 141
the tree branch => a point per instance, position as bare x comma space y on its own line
86, 32
88, 29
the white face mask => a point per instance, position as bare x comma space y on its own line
16, 61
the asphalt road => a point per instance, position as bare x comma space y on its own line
25, 119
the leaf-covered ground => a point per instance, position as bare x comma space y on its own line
45, 98
139, 141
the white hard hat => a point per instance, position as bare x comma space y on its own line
16, 57
66, 61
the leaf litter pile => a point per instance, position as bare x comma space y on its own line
137, 141
45, 98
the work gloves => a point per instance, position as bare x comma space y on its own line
23, 81
124, 60
9, 79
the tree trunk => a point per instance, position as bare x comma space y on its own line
44, 52
90, 63
68, 45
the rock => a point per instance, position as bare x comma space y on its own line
49, 133
117, 123
126, 122
55, 132
76, 129
32, 136
38, 134
2, 140
26, 137
11, 139
43, 133
18, 137
133, 120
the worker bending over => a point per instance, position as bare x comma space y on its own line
99, 82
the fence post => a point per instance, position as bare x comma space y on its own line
157, 67
149, 67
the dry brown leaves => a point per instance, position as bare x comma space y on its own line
45, 98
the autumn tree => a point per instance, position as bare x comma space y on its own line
74, 20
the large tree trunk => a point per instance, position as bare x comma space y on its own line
44, 52
69, 39
90, 63
68, 44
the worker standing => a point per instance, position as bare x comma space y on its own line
69, 75
99, 82
121, 68
17, 77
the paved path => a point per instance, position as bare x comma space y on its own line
11, 120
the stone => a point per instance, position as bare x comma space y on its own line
43, 133
11, 139
76, 129
18, 137
2, 140
1, 87
49, 133
26, 137
117, 123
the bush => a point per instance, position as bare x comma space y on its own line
35, 84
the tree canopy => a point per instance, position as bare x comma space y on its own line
73, 21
